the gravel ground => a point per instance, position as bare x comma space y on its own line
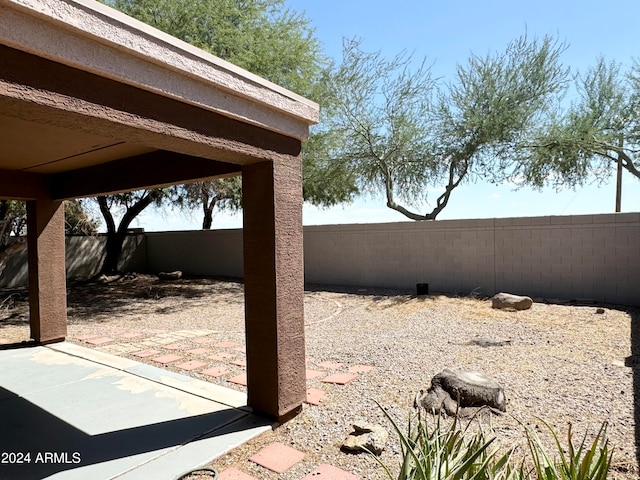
564, 364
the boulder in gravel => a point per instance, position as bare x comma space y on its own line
461, 393
177, 275
366, 437
508, 301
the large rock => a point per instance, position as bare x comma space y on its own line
508, 301
366, 437
177, 275
462, 393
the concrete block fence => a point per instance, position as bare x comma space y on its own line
567, 257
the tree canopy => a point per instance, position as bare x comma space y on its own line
581, 142
403, 132
265, 38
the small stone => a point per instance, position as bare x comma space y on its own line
508, 301
489, 342
366, 437
600, 311
177, 275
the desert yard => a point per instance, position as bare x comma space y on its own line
564, 363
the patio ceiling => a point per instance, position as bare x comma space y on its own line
94, 102
91, 100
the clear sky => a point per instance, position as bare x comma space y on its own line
446, 32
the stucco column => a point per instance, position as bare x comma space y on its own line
274, 287
47, 277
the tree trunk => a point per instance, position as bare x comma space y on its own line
207, 210
116, 237
461, 393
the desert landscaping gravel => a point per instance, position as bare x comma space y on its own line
564, 363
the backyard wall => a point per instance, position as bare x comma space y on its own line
84, 257
570, 257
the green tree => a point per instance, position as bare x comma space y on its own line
401, 131
129, 206
598, 130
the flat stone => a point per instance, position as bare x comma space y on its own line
366, 437
234, 474
146, 353
314, 395
311, 374
216, 371
198, 351
165, 359
277, 457
508, 301
239, 379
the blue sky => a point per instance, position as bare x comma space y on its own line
446, 32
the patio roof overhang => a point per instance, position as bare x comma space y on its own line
94, 102
94, 86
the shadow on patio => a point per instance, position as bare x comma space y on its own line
81, 414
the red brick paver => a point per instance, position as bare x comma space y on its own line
234, 474
164, 359
277, 457
191, 365
239, 379
340, 378
314, 395
146, 353
86, 337
329, 472
216, 371
198, 351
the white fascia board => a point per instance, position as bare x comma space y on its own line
90, 36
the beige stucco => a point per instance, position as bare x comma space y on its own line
92, 37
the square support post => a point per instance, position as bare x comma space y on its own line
47, 275
274, 287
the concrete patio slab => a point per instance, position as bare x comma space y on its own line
81, 414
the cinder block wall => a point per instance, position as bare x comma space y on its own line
83, 256
571, 257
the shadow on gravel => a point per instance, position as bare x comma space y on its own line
91, 299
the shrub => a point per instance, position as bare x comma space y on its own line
453, 453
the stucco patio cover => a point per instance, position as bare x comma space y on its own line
94, 102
